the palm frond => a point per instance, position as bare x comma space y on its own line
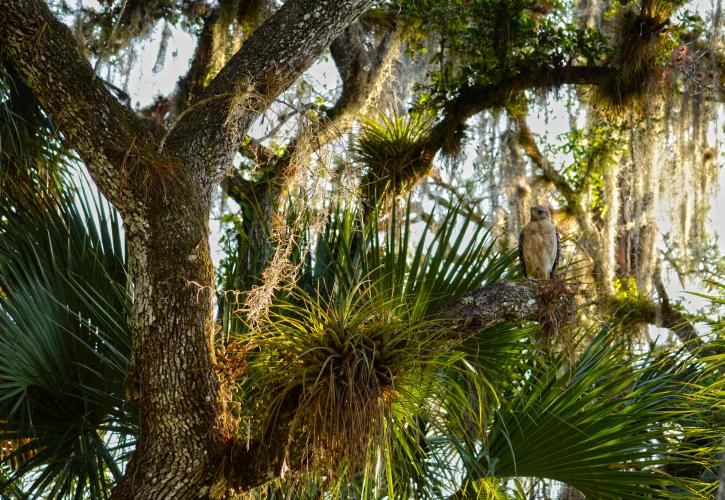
358, 346
611, 426
32, 155
65, 340
416, 265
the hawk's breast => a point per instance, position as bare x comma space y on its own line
539, 248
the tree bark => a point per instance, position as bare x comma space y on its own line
268, 62
182, 419
528, 299
164, 193
112, 141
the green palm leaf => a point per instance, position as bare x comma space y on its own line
65, 341
609, 426
360, 350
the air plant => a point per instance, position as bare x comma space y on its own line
391, 150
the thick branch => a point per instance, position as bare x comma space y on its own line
192, 84
361, 71
107, 135
268, 62
210, 53
476, 98
264, 459
503, 302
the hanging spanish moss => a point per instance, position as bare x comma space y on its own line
690, 178
606, 260
489, 163
671, 165
638, 196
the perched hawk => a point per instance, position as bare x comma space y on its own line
539, 245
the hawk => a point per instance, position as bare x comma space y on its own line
539, 245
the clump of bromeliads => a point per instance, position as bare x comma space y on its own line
351, 365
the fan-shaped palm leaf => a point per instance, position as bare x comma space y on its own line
361, 350
32, 156
608, 426
65, 342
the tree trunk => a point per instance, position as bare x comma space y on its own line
164, 192
171, 373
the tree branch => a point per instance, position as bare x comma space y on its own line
257, 152
361, 71
359, 68
108, 136
209, 55
268, 62
475, 98
192, 84
548, 172
461, 200
492, 305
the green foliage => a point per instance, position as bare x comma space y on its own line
613, 425
359, 345
354, 362
485, 41
65, 339
387, 400
32, 156
390, 148
592, 151
423, 271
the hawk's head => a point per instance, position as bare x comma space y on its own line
540, 213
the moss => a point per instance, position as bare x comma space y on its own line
556, 310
